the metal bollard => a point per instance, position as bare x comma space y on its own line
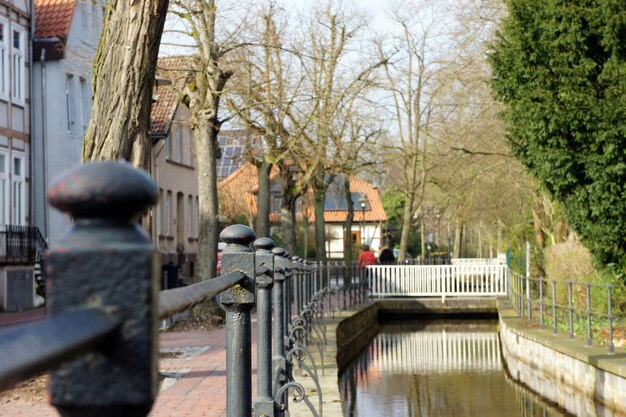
238, 301
264, 404
106, 260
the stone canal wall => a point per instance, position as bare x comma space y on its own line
355, 332
585, 381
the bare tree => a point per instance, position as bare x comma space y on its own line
202, 78
122, 81
266, 92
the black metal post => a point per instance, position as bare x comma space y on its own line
609, 289
287, 290
105, 260
279, 362
238, 301
541, 304
296, 277
554, 306
287, 295
588, 302
570, 309
264, 404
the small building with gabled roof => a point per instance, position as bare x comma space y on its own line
238, 199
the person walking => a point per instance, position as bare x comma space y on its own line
366, 257
386, 257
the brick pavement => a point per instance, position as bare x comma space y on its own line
194, 367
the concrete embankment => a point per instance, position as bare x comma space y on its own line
584, 380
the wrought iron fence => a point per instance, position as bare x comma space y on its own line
21, 245
592, 311
104, 307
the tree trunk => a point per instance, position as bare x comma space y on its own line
123, 79
205, 136
423, 236
320, 225
288, 223
537, 209
263, 200
458, 239
407, 221
347, 236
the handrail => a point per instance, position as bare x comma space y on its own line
179, 299
36, 347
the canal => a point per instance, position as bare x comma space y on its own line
436, 368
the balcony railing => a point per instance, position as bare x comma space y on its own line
21, 245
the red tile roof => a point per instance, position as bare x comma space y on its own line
237, 197
53, 18
375, 214
237, 192
163, 110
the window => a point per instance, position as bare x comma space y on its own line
19, 195
158, 213
70, 103
189, 217
275, 203
179, 145
84, 105
197, 217
4, 188
168, 212
188, 145
17, 56
4, 60
168, 154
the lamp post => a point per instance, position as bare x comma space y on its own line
363, 204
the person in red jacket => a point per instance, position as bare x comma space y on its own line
367, 257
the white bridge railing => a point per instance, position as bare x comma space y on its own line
437, 280
439, 351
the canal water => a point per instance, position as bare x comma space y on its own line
434, 369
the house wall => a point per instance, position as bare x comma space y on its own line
370, 233
174, 221
14, 115
67, 82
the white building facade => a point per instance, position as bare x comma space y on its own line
63, 53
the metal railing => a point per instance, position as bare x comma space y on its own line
21, 245
437, 281
581, 309
100, 338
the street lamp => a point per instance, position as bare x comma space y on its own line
363, 204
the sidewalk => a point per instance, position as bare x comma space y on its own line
11, 318
194, 366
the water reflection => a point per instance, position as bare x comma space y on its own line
438, 368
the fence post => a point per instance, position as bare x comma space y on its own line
106, 260
609, 287
287, 290
297, 285
238, 301
279, 361
554, 318
264, 404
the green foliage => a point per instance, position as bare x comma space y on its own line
393, 203
560, 67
